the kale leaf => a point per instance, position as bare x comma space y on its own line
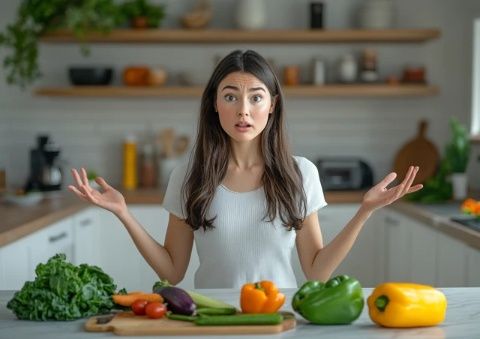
63, 291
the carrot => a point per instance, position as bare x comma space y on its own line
129, 299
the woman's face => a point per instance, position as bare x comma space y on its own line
243, 105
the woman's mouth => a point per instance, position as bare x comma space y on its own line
242, 126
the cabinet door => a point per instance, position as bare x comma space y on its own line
398, 244
452, 261
57, 238
423, 264
473, 270
86, 236
15, 267
117, 252
359, 263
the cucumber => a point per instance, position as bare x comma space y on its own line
181, 317
216, 311
239, 319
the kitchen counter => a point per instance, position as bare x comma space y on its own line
18, 221
461, 321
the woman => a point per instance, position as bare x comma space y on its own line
243, 197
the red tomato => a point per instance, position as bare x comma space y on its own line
155, 310
138, 306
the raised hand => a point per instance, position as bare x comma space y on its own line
110, 199
379, 195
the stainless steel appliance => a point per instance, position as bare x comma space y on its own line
344, 173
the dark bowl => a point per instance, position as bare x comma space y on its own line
84, 76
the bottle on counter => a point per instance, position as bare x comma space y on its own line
147, 168
130, 181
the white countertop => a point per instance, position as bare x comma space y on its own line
463, 315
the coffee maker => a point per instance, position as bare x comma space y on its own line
45, 174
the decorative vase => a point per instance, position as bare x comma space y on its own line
250, 14
459, 185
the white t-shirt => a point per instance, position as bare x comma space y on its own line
243, 247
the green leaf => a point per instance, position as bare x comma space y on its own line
63, 291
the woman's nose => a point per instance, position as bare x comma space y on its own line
242, 114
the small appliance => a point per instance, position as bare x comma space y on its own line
344, 173
45, 173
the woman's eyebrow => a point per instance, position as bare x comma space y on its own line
235, 88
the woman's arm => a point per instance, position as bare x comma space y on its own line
169, 261
319, 262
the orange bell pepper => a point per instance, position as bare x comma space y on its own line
261, 297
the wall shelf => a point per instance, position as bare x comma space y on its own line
244, 36
377, 90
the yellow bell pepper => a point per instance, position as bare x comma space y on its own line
406, 305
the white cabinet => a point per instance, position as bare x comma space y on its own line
410, 249
361, 260
120, 257
57, 238
452, 261
15, 266
473, 267
86, 228
20, 258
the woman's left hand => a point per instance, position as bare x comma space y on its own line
379, 195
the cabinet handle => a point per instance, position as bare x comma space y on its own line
392, 221
55, 238
85, 222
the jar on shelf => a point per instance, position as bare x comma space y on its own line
347, 69
368, 66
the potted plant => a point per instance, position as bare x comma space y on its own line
142, 14
457, 154
36, 17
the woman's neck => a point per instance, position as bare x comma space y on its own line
245, 155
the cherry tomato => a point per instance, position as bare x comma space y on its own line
155, 310
138, 306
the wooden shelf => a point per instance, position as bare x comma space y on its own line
254, 36
297, 91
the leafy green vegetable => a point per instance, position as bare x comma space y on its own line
63, 291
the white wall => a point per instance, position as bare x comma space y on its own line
90, 131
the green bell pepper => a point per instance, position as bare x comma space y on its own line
338, 301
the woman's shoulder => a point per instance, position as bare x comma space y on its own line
304, 164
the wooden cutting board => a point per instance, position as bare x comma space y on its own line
418, 152
126, 323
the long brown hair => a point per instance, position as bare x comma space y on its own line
282, 179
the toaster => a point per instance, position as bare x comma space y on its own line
344, 173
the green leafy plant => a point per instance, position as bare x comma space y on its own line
457, 151
36, 17
154, 14
455, 160
63, 291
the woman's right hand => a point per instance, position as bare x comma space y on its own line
110, 199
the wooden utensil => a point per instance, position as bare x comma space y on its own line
126, 323
418, 152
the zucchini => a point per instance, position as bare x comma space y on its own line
239, 319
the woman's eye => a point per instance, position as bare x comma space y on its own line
257, 98
229, 97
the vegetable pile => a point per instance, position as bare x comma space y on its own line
63, 291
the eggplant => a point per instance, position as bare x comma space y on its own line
178, 301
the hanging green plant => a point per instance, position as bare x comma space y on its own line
36, 17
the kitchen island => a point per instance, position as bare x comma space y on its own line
463, 315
